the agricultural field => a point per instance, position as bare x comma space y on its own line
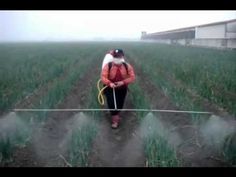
168, 77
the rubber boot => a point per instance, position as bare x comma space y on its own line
115, 121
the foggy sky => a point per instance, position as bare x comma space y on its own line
97, 25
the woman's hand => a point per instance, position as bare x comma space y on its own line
112, 85
120, 83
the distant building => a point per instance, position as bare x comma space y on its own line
219, 34
144, 33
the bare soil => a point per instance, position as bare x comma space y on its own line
192, 151
120, 147
47, 144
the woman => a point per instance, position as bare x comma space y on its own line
117, 75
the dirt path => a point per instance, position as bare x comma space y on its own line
33, 98
190, 149
120, 147
47, 143
206, 104
112, 148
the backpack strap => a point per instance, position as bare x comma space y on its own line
109, 66
126, 67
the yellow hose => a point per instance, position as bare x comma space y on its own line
100, 93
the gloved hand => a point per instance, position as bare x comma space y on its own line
120, 83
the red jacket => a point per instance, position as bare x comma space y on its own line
127, 78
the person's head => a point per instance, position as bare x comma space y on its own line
118, 55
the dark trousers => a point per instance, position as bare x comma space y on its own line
120, 94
